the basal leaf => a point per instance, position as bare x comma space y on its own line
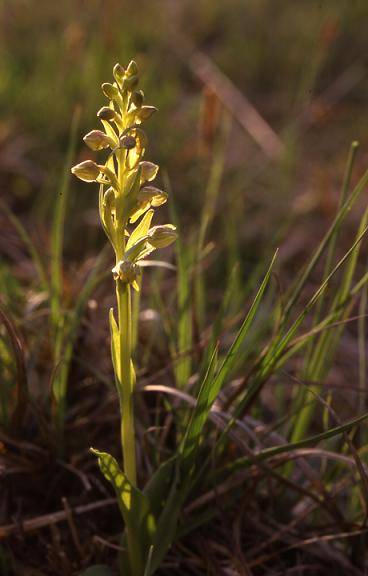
158, 487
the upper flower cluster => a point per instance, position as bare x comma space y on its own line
126, 192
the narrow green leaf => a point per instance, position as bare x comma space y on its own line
206, 397
148, 569
324, 351
245, 462
57, 236
219, 321
27, 240
184, 334
332, 244
346, 207
158, 487
280, 344
207, 216
232, 355
66, 340
167, 524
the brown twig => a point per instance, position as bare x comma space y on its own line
50, 519
72, 527
230, 96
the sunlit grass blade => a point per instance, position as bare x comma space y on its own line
245, 462
29, 244
232, 355
184, 335
67, 341
280, 344
325, 348
58, 225
207, 395
167, 524
20, 392
346, 207
333, 240
218, 324
207, 216
362, 352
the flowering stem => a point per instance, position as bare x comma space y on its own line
126, 206
126, 393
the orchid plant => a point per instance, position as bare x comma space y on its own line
127, 200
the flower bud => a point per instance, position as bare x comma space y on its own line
87, 171
137, 98
149, 171
126, 271
152, 195
129, 83
106, 113
132, 69
98, 140
146, 112
127, 142
118, 72
110, 91
162, 236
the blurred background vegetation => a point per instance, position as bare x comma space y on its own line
302, 65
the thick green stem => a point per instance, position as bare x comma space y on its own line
126, 393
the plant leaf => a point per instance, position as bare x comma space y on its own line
134, 507
158, 486
141, 230
167, 524
206, 396
133, 504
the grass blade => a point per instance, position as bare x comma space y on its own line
57, 235
346, 207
